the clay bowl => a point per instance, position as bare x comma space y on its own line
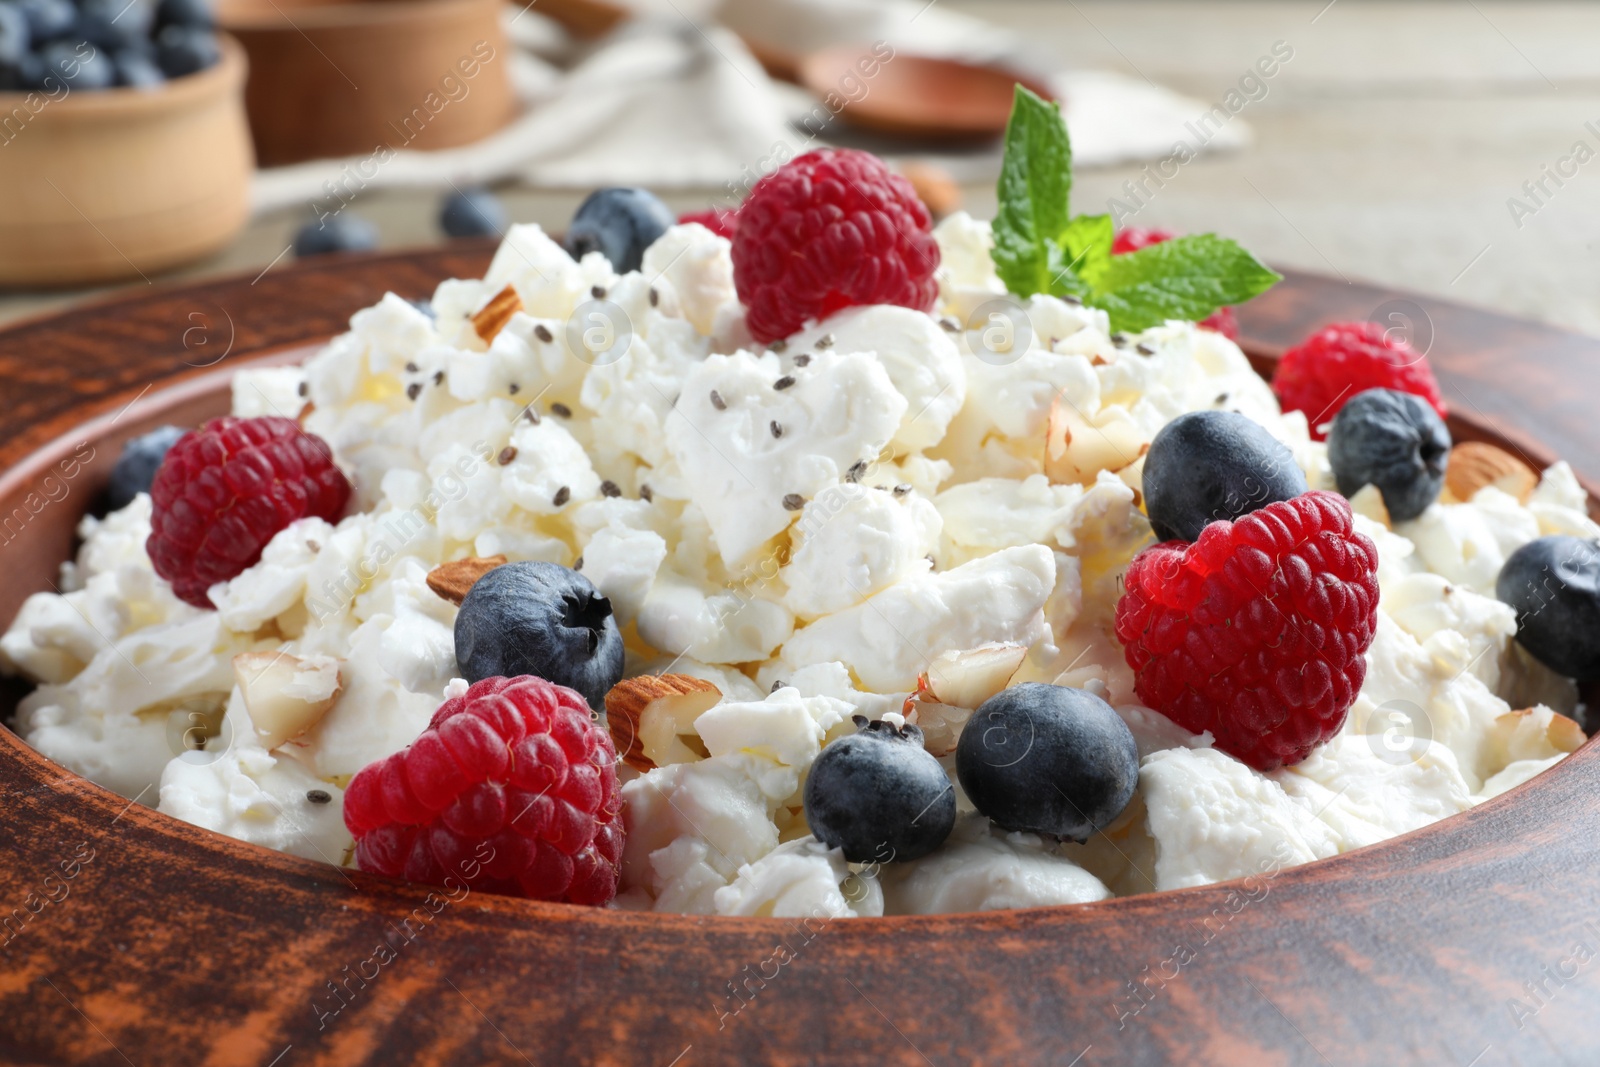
122, 183
332, 78
1410, 951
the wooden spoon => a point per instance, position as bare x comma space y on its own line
908, 96
918, 97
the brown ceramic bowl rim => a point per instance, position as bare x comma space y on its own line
247, 16
223, 77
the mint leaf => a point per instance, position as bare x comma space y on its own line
1085, 246
1184, 278
1035, 180
1040, 248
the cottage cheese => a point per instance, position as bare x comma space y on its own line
981, 868
808, 528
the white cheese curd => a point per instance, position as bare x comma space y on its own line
832, 679
800, 878
120, 719
809, 526
1560, 505
982, 868
269, 391
245, 792
1366, 791
993, 513
750, 449
725, 626
887, 640
1213, 818
698, 266
786, 727
1425, 689
623, 562
852, 541
1426, 605
1468, 543
965, 244
691, 826
1515, 774
922, 361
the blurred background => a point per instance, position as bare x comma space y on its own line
1441, 146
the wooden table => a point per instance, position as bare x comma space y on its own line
174, 946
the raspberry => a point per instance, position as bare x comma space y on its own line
828, 230
1133, 238
514, 764
1257, 631
721, 221
1136, 237
225, 489
1223, 321
1347, 358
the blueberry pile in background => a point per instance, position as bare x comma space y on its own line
46, 45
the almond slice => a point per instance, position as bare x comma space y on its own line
1474, 464
490, 319
970, 676
1368, 501
453, 580
940, 724
651, 718
1078, 448
286, 695
934, 186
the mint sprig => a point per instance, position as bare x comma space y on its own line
1040, 247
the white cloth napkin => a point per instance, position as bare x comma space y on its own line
670, 103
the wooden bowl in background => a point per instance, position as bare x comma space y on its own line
332, 78
123, 183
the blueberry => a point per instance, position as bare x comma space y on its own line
1554, 583
186, 50
137, 70
29, 73
619, 222
879, 795
1049, 760
1392, 440
114, 24
474, 212
79, 64
48, 19
15, 35
343, 232
136, 467
185, 13
544, 620
1212, 465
